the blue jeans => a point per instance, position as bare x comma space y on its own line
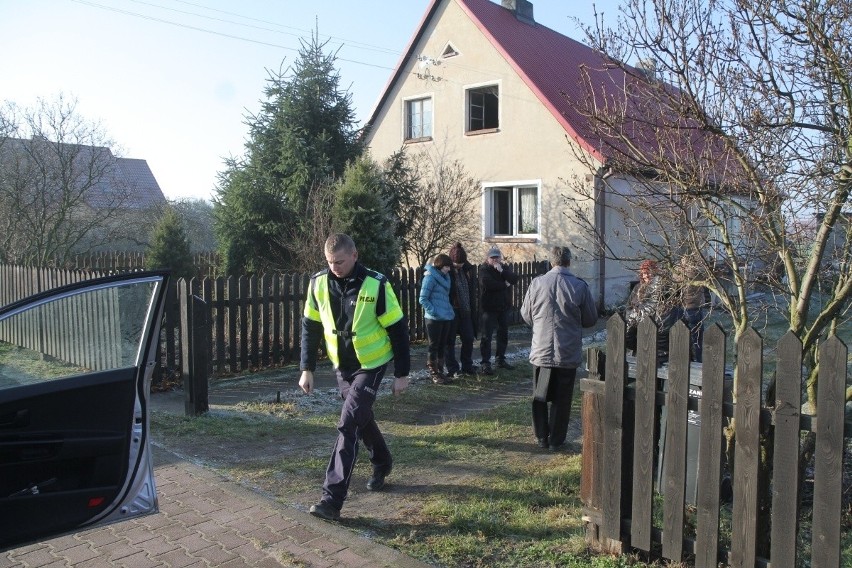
492, 321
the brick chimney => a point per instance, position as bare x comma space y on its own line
523, 9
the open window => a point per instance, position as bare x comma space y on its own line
512, 209
483, 109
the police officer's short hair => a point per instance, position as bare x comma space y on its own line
339, 241
560, 256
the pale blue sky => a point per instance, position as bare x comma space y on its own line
172, 80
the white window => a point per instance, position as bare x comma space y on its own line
512, 209
418, 118
483, 108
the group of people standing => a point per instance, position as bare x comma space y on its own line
356, 312
448, 294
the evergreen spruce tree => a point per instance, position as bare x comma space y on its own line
364, 214
169, 247
303, 136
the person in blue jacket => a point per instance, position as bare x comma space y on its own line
439, 313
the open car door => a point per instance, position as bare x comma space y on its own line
75, 370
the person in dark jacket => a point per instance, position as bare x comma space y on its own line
357, 313
557, 306
495, 281
438, 313
463, 298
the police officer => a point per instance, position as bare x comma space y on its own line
357, 313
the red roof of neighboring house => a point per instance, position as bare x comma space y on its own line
554, 67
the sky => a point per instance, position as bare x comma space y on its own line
172, 81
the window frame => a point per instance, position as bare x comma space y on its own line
407, 105
510, 190
487, 126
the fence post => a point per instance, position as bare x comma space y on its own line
193, 328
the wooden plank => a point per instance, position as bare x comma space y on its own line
233, 316
709, 473
674, 466
265, 324
616, 372
288, 315
254, 323
643, 432
244, 296
219, 327
276, 319
593, 438
747, 453
828, 455
207, 296
785, 462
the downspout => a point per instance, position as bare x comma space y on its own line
600, 222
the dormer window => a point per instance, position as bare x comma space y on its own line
483, 110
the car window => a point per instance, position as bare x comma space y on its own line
96, 329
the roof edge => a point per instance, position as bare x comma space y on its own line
584, 144
406, 55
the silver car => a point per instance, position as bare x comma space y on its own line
75, 370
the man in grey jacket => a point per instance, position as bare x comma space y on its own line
557, 306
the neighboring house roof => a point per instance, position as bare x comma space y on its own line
554, 67
124, 183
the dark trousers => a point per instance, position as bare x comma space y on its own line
694, 320
492, 321
553, 425
358, 390
437, 331
462, 326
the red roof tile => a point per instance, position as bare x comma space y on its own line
554, 67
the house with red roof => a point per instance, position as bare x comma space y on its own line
490, 86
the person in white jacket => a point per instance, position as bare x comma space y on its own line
557, 306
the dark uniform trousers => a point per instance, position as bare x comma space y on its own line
556, 386
357, 422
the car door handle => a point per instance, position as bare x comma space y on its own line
16, 419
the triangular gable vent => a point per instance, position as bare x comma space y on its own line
449, 51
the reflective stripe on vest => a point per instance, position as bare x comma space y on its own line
369, 338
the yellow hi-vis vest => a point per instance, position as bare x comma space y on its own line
369, 338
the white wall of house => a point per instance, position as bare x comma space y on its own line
528, 149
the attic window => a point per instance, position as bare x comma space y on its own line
449, 51
483, 109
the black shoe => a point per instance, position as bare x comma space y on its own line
442, 379
470, 371
487, 370
503, 364
557, 447
542, 443
377, 482
325, 511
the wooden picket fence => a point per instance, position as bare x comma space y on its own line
623, 402
252, 322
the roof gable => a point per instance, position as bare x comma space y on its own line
565, 75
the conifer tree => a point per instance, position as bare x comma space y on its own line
303, 137
169, 247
